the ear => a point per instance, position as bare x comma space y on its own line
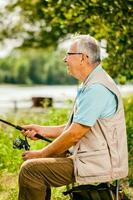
85, 58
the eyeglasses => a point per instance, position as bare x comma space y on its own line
69, 53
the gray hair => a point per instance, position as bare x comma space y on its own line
88, 45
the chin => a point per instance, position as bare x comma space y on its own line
69, 72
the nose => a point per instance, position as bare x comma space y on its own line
65, 59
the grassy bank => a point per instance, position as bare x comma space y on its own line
10, 159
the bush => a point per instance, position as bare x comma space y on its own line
128, 104
10, 159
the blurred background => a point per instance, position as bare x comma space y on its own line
34, 85
34, 37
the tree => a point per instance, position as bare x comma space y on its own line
43, 23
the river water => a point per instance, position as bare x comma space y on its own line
10, 95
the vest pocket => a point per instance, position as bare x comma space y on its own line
93, 163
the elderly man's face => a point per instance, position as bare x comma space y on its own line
73, 59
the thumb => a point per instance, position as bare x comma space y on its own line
24, 153
27, 127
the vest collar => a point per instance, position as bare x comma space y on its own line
96, 69
83, 84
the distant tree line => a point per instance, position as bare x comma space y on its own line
34, 67
42, 24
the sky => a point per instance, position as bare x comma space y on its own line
8, 45
3, 3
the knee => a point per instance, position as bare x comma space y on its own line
30, 175
24, 173
25, 167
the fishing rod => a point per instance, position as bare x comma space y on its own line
19, 143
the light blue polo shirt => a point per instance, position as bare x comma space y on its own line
95, 102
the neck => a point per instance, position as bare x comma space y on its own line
88, 71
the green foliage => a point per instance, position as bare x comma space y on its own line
42, 67
128, 102
43, 23
10, 159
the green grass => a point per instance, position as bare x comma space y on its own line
10, 159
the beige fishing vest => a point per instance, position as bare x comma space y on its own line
101, 155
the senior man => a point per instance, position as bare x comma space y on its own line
95, 133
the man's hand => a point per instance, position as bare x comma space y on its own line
32, 154
45, 131
31, 130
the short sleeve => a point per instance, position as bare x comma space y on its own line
91, 104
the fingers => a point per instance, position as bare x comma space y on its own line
30, 131
30, 134
32, 154
28, 127
25, 156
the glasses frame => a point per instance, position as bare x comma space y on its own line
70, 53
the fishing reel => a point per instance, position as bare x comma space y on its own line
20, 143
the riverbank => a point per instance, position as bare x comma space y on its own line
14, 97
